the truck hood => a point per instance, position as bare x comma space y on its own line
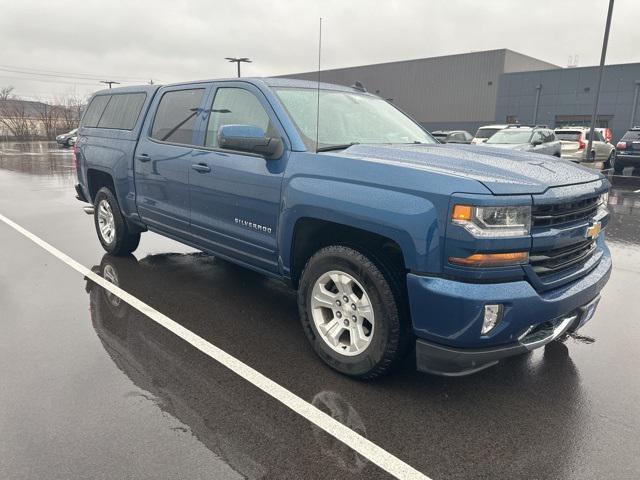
502, 171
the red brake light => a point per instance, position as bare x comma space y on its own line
621, 145
581, 144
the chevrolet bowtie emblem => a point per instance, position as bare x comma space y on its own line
594, 230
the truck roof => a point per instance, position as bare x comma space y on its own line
266, 81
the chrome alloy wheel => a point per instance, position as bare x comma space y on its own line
110, 275
342, 313
106, 223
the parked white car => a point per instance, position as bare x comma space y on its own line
574, 141
526, 139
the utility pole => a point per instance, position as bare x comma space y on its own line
110, 82
605, 42
535, 109
238, 61
635, 105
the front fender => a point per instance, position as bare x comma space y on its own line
409, 220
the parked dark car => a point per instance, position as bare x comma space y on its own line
627, 151
453, 136
67, 139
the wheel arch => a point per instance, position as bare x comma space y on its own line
97, 179
311, 234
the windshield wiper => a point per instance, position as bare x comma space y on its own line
336, 147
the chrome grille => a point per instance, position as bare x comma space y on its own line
553, 261
560, 213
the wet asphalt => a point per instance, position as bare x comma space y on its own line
90, 388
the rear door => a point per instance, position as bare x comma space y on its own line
163, 157
235, 196
601, 146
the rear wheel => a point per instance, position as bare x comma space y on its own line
113, 232
350, 313
617, 169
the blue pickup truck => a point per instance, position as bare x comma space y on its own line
395, 243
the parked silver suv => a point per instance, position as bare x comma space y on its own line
526, 139
574, 141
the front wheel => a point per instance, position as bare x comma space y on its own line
113, 232
350, 313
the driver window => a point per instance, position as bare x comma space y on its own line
537, 137
235, 106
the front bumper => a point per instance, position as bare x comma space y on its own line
448, 315
456, 362
624, 160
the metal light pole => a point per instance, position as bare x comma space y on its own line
635, 105
605, 42
238, 61
110, 82
535, 110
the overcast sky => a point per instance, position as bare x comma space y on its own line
170, 41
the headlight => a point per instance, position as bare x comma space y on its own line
489, 222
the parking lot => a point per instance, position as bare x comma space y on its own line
92, 388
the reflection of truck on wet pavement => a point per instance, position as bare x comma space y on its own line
393, 241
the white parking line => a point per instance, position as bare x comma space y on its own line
360, 444
637, 191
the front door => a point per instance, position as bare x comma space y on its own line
163, 159
235, 196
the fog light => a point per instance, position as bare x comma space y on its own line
492, 317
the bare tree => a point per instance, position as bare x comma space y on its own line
14, 115
49, 118
69, 109
5, 92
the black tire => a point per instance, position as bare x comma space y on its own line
392, 333
617, 169
124, 241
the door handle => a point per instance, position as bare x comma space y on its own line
201, 167
143, 157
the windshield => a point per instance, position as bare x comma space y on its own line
486, 132
631, 135
511, 137
347, 118
568, 136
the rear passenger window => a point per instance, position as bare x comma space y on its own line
631, 135
122, 111
94, 110
176, 116
235, 106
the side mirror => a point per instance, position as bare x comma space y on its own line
536, 143
247, 138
